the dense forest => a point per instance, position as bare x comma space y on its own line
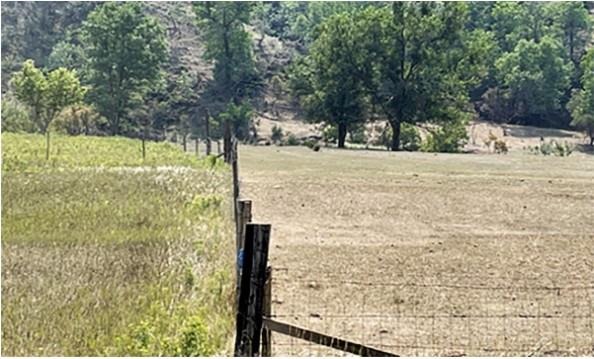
147, 69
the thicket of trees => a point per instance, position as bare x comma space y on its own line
350, 63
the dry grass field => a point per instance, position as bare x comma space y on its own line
429, 254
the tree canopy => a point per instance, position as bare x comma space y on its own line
125, 48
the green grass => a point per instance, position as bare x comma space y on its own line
26, 152
102, 256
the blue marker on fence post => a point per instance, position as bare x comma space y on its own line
240, 259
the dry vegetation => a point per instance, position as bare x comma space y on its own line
102, 256
429, 254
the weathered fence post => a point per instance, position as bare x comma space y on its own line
244, 213
227, 142
251, 295
267, 312
207, 131
196, 142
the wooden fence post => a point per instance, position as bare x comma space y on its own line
227, 142
251, 295
267, 312
244, 216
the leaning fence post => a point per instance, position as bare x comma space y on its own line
267, 312
251, 295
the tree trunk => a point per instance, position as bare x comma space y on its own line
395, 135
185, 142
342, 132
47, 144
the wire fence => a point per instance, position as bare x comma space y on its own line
447, 315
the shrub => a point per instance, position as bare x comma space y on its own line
410, 139
330, 134
448, 138
292, 140
277, 134
357, 135
15, 117
500, 146
312, 144
79, 120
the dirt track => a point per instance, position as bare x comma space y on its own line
429, 254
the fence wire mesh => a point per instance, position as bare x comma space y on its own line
437, 316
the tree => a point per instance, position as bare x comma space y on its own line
335, 93
125, 48
424, 65
228, 45
47, 95
574, 22
535, 77
581, 104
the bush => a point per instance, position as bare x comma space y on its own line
312, 144
15, 117
330, 134
292, 140
449, 138
410, 139
552, 148
79, 120
277, 134
500, 146
357, 135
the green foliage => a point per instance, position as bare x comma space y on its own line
125, 48
448, 138
292, 140
79, 120
46, 95
552, 147
581, 104
334, 94
409, 82
240, 117
228, 46
572, 20
357, 135
68, 55
277, 134
410, 139
15, 117
203, 203
536, 76
329, 134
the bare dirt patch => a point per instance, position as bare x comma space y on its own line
429, 254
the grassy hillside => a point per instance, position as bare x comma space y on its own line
104, 256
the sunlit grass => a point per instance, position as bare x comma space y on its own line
26, 152
113, 261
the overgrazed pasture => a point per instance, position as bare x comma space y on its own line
429, 253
